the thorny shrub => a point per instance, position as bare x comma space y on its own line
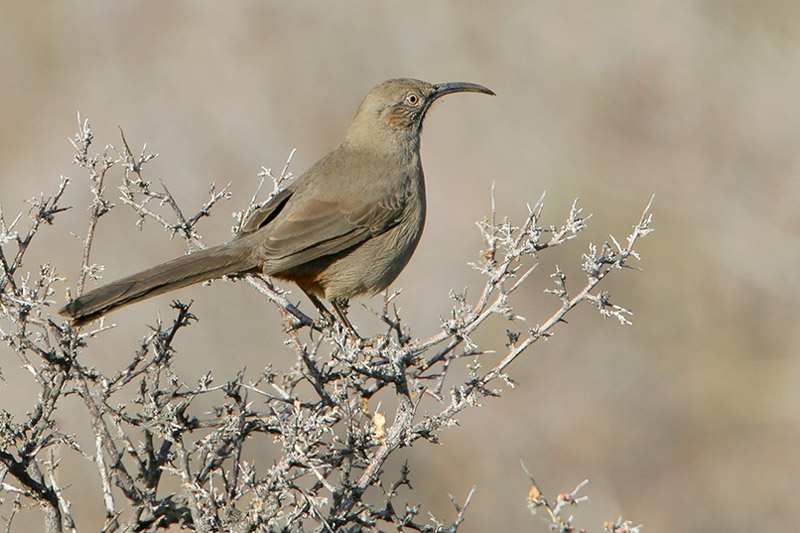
333, 446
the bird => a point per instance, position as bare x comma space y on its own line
345, 228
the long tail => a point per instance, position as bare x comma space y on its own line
200, 266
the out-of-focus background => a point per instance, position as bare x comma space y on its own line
687, 421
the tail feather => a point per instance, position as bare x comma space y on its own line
200, 266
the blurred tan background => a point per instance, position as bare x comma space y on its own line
687, 421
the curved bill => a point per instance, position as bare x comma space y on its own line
442, 89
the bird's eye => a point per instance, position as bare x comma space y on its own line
412, 99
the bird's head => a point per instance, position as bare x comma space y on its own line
396, 108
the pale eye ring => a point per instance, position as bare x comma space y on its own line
412, 99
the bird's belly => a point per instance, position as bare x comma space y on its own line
373, 265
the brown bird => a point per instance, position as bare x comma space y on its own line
346, 227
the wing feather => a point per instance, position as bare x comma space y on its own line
302, 224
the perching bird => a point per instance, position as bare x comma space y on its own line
346, 227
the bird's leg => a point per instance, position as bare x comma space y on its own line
340, 305
327, 316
